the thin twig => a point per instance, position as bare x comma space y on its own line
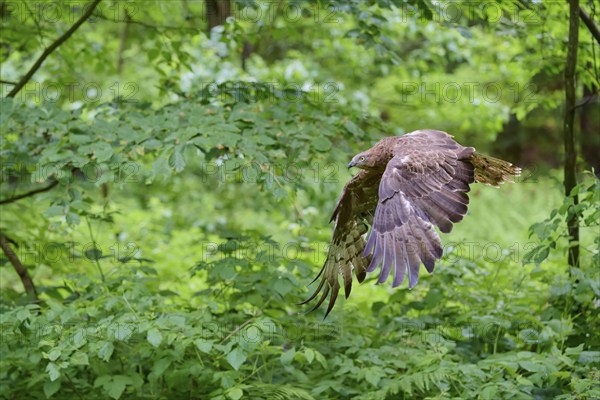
36, 22
239, 328
51, 48
74, 387
247, 322
587, 99
29, 194
95, 247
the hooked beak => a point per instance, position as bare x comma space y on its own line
350, 164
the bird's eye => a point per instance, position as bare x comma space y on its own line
362, 158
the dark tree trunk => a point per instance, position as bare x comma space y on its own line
509, 142
589, 120
123, 43
217, 12
246, 52
570, 171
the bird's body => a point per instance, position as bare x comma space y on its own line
406, 185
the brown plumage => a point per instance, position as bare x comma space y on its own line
406, 185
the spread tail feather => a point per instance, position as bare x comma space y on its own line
493, 171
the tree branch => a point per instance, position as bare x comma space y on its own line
19, 268
587, 20
7, 82
53, 47
29, 194
587, 99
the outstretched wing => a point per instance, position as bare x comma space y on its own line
353, 211
424, 184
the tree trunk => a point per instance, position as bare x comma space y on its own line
217, 12
570, 171
589, 123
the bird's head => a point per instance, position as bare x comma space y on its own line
362, 160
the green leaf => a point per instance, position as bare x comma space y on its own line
117, 385
570, 351
54, 354
542, 255
540, 229
489, 392
53, 371
310, 355
353, 129
54, 211
152, 144
373, 375
283, 286
588, 357
425, 10
287, 356
79, 338
23, 314
73, 219
154, 337
103, 151
235, 393
93, 254
123, 332
51, 387
160, 366
160, 167
531, 366
105, 351
203, 345
279, 193
79, 358
321, 359
177, 160
321, 143
236, 358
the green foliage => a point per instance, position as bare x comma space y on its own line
229, 327
553, 228
183, 202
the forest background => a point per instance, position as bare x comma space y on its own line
169, 168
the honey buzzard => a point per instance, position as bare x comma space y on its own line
406, 185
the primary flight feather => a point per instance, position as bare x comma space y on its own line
407, 185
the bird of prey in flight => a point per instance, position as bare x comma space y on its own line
406, 185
